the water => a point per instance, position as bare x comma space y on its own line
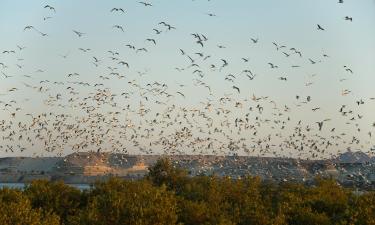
22, 186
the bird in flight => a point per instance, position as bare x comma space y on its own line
272, 65
349, 18
151, 40
118, 10
21, 47
320, 124
157, 31
28, 28
320, 27
254, 40
119, 27
79, 34
50, 7
180, 94
278, 46
236, 88
145, 3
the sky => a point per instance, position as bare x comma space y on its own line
292, 23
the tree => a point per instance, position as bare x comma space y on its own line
16, 209
163, 172
131, 202
56, 197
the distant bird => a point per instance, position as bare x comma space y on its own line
273, 66
211, 14
50, 7
349, 18
6, 76
79, 34
320, 27
28, 28
180, 94
141, 49
278, 46
130, 46
119, 27
254, 40
157, 31
124, 63
312, 61
151, 40
145, 3
320, 125
348, 69
236, 88
84, 49
20, 47
118, 10
286, 54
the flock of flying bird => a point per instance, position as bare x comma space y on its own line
150, 117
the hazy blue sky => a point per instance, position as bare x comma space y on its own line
292, 23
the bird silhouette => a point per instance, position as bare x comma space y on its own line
320, 27
79, 34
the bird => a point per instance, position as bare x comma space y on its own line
141, 49
151, 40
272, 66
254, 40
20, 47
320, 27
118, 27
348, 69
180, 94
145, 3
236, 88
28, 28
117, 10
124, 63
320, 125
278, 46
78, 33
312, 61
348, 18
50, 7
157, 31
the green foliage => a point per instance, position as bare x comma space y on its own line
125, 202
63, 200
16, 209
163, 172
169, 196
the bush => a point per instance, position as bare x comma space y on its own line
16, 209
169, 196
